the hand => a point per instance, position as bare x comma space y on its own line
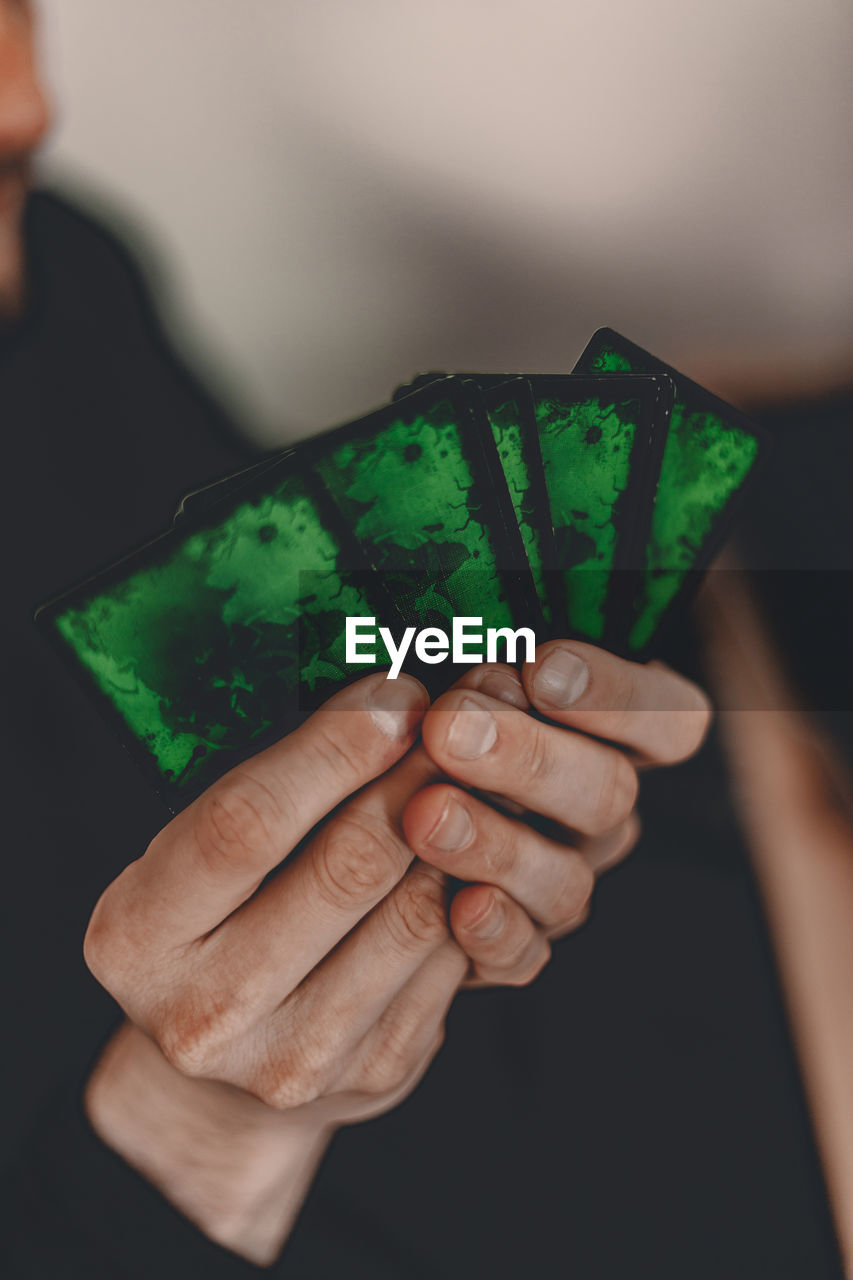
266, 1009
529, 887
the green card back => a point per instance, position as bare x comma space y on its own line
218, 637
712, 452
419, 484
601, 441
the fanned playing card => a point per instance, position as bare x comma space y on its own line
508, 402
219, 636
712, 453
601, 441
420, 485
589, 453
509, 405
580, 504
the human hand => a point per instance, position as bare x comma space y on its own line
266, 1009
528, 887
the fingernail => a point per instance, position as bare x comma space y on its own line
396, 707
490, 922
561, 679
504, 687
472, 731
454, 828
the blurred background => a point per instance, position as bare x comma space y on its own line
329, 196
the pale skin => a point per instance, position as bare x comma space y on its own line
246, 1045
263, 1013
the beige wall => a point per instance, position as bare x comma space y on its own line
342, 192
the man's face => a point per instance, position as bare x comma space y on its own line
23, 121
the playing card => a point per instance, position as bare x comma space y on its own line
420, 485
593, 447
508, 402
601, 441
510, 409
221, 635
711, 455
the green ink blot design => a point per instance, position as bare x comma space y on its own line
410, 496
506, 430
198, 649
705, 461
586, 450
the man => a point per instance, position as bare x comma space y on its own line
266, 1014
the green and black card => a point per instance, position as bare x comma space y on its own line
601, 441
583, 505
219, 636
712, 454
420, 485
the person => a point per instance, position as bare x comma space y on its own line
285, 952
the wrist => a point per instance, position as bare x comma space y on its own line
235, 1168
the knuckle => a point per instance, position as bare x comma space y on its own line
237, 823
617, 793
329, 750
112, 948
417, 912
504, 851
293, 1080
535, 761
572, 902
350, 748
102, 942
357, 864
194, 1037
523, 969
391, 1063
626, 691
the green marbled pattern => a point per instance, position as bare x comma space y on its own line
197, 648
705, 462
586, 451
505, 419
409, 493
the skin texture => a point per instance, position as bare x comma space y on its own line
24, 119
285, 951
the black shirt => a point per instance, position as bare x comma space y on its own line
636, 1112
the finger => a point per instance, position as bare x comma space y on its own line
583, 784
603, 852
214, 855
463, 837
496, 680
657, 713
499, 681
411, 1029
504, 945
314, 1034
355, 859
